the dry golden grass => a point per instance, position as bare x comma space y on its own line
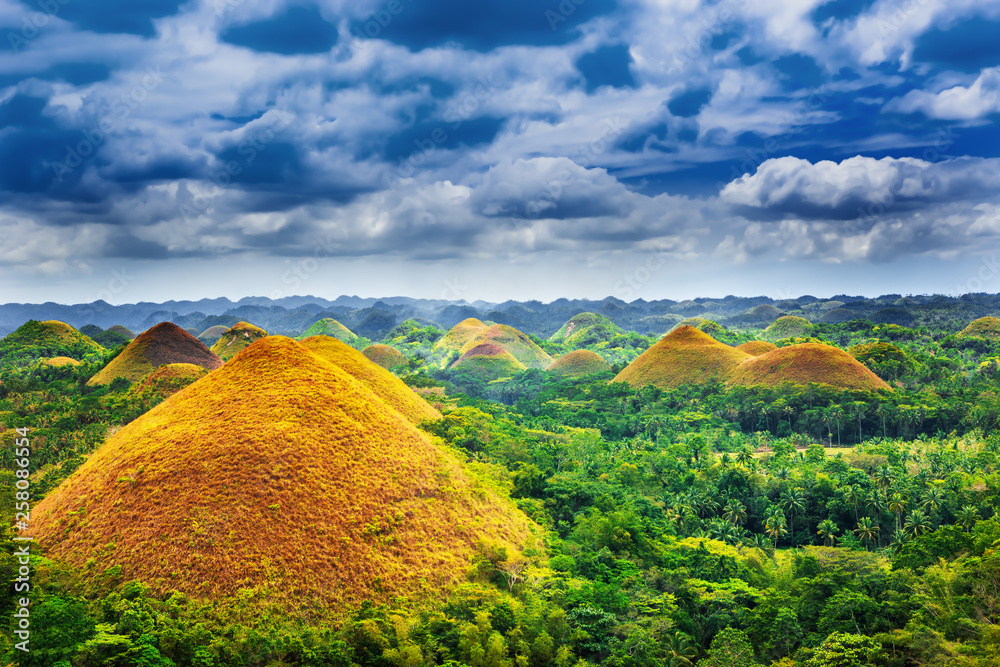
386, 386
579, 363
805, 363
757, 347
518, 344
60, 361
169, 379
488, 362
684, 356
278, 474
385, 356
166, 343
235, 339
984, 327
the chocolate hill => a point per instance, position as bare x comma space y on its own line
488, 362
384, 384
579, 363
586, 329
168, 380
984, 327
282, 477
756, 347
385, 356
51, 338
456, 338
788, 326
236, 339
684, 356
331, 327
805, 363
518, 344
211, 335
166, 343
124, 331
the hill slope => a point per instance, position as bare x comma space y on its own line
788, 326
805, 363
456, 338
518, 344
488, 362
235, 339
166, 343
331, 327
756, 347
282, 476
579, 363
586, 329
385, 356
984, 327
384, 384
684, 356
51, 338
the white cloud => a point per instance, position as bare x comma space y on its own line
957, 102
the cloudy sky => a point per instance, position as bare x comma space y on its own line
497, 149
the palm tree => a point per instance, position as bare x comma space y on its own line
680, 650
828, 530
735, 512
897, 505
967, 516
853, 495
883, 476
775, 528
793, 501
744, 457
917, 523
898, 540
933, 500
867, 530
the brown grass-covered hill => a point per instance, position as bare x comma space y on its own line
124, 331
60, 361
235, 339
166, 343
331, 327
452, 342
282, 477
805, 363
168, 380
788, 326
579, 363
684, 356
518, 344
984, 327
384, 384
756, 347
51, 338
385, 356
488, 362
211, 335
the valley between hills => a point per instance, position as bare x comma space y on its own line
798, 483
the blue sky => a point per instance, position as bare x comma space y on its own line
494, 150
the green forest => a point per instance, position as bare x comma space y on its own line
784, 524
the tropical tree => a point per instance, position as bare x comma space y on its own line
933, 499
828, 530
967, 516
897, 505
681, 651
867, 530
793, 501
853, 496
735, 512
917, 523
775, 528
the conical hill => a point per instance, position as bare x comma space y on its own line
278, 476
166, 343
805, 363
517, 343
579, 363
684, 356
235, 339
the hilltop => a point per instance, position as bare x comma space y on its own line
211, 335
385, 356
235, 339
281, 477
579, 363
331, 327
488, 362
757, 347
684, 356
984, 327
518, 344
452, 342
788, 326
805, 363
586, 329
384, 384
51, 338
166, 343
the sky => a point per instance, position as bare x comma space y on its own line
500, 149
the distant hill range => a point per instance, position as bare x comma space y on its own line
373, 318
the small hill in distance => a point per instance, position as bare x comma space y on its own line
384, 384
586, 329
385, 356
838, 316
452, 342
58, 362
235, 339
788, 326
684, 356
166, 343
279, 475
761, 315
107, 338
168, 380
518, 344
757, 347
211, 335
331, 327
579, 363
488, 362
984, 327
122, 331
51, 338
806, 363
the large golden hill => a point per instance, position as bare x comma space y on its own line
805, 363
279, 476
684, 356
166, 343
